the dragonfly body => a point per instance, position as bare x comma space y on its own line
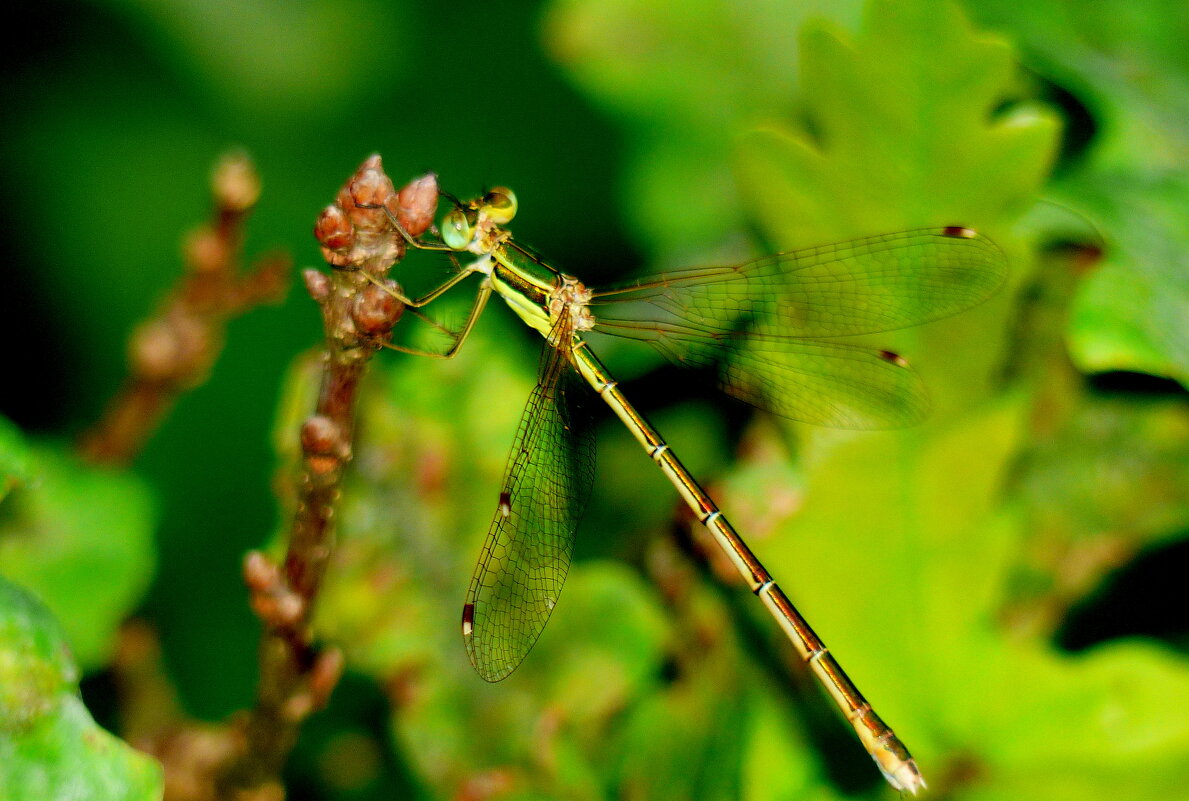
771, 324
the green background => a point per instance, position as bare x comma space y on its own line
1001, 581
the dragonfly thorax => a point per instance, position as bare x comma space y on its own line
568, 308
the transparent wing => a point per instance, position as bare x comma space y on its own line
814, 381
765, 324
865, 286
527, 553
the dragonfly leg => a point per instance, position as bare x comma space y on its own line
481, 298
430, 296
411, 240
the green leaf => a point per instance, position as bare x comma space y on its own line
1124, 60
1125, 63
14, 458
1099, 725
901, 132
910, 514
81, 538
686, 739
611, 627
771, 741
1131, 311
685, 77
49, 745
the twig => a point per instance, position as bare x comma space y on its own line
173, 351
359, 242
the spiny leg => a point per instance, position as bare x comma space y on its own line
431, 296
411, 240
481, 298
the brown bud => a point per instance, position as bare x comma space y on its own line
283, 608
343, 198
297, 707
153, 350
346, 259
320, 435
235, 183
372, 162
415, 205
321, 466
176, 348
371, 187
325, 674
375, 311
317, 284
206, 251
260, 573
334, 230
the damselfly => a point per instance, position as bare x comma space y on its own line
768, 327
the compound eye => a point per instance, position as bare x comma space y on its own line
500, 205
458, 229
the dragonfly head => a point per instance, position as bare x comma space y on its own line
474, 225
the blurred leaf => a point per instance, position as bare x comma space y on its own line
81, 538
918, 523
777, 763
1112, 482
1131, 312
908, 513
264, 56
49, 746
612, 628
1096, 725
686, 738
1123, 59
901, 131
14, 458
685, 77
680, 744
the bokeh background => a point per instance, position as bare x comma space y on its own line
1005, 582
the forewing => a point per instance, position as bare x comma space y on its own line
527, 553
864, 286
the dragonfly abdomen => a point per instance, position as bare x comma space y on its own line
885, 748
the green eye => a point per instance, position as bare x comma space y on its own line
457, 230
500, 205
